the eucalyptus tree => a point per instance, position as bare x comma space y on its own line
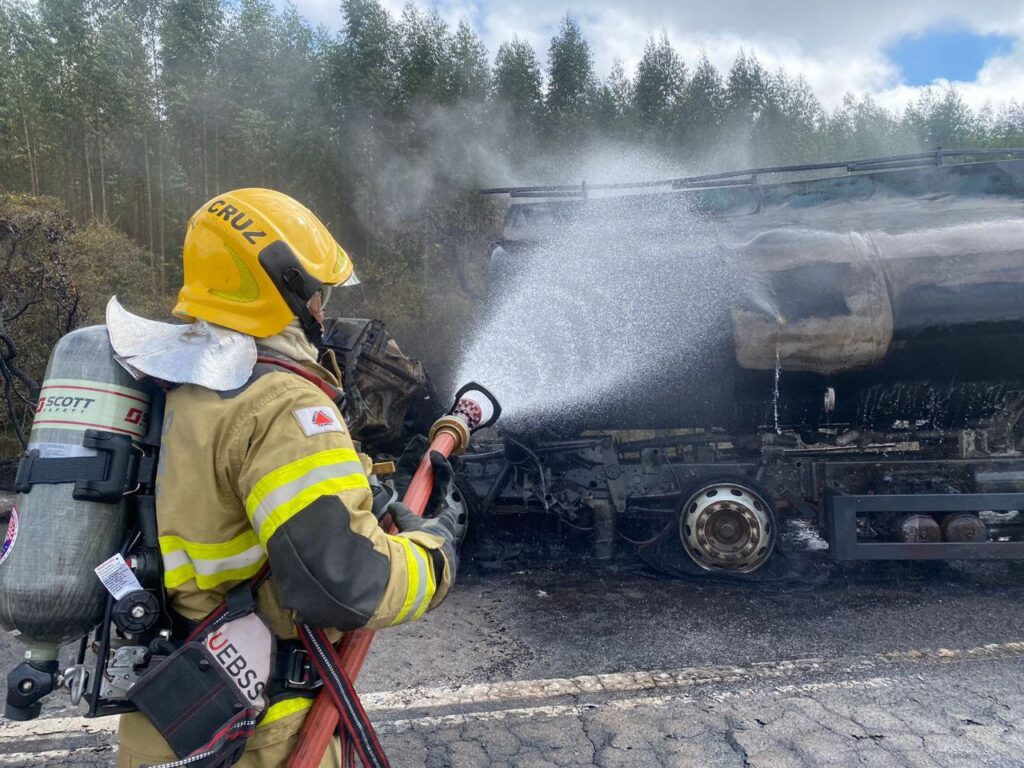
470, 78
425, 62
746, 91
25, 139
658, 89
701, 110
191, 33
787, 128
518, 98
572, 85
613, 110
941, 118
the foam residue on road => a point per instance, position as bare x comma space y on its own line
614, 301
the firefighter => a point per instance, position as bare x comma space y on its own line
268, 474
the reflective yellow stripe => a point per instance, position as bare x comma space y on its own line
287, 490
295, 470
283, 709
431, 586
210, 564
412, 576
421, 587
179, 576
206, 550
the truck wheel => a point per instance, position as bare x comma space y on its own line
727, 526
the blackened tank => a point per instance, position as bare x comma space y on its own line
880, 299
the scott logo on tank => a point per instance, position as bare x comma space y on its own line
63, 402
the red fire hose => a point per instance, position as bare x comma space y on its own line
322, 720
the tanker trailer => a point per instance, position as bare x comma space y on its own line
860, 377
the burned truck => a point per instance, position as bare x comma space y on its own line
865, 384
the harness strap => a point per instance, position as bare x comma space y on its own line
223, 611
33, 470
329, 390
356, 723
117, 468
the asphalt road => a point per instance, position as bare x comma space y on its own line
545, 658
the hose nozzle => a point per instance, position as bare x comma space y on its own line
474, 408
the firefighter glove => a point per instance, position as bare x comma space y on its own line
447, 509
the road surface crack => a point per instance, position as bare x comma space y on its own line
739, 749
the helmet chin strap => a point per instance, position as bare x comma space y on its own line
299, 303
311, 326
295, 285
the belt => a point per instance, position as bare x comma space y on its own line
293, 670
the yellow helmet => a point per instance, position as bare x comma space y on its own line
253, 259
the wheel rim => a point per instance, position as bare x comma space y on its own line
727, 527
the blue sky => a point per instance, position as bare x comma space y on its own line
949, 54
890, 49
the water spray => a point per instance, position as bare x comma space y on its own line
600, 302
474, 409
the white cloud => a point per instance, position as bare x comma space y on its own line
837, 46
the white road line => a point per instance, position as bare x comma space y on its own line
552, 711
526, 690
431, 723
21, 733
46, 727
51, 755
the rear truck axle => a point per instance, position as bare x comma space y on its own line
750, 506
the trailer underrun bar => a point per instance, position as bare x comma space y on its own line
842, 513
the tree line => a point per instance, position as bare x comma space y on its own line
133, 112
118, 118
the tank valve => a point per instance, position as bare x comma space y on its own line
27, 684
136, 612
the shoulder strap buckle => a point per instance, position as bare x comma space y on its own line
240, 601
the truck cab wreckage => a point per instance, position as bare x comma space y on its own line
870, 394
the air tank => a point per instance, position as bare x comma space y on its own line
49, 593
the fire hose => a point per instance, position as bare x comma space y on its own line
475, 408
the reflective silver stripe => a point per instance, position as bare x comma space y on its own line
211, 567
290, 490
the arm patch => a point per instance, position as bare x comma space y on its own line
318, 419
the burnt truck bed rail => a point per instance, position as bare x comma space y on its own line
751, 176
